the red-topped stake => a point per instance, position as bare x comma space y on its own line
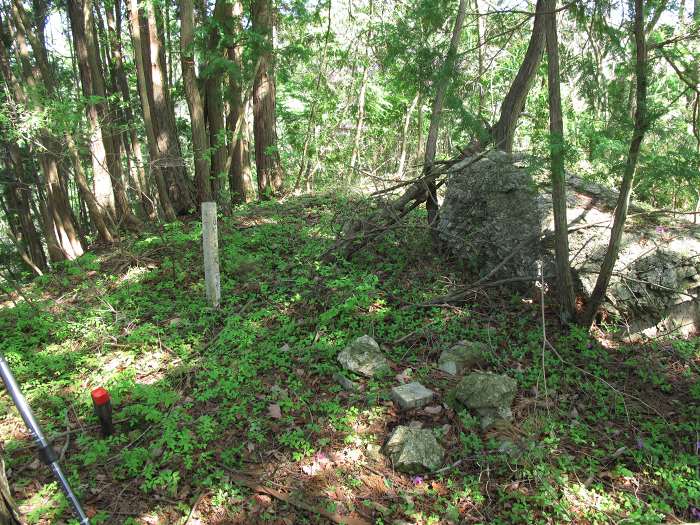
102, 404
100, 396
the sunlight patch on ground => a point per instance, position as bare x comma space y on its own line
133, 274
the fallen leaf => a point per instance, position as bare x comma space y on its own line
274, 411
263, 500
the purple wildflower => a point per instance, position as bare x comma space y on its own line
640, 442
695, 513
417, 480
661, 229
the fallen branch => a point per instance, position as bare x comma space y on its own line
361, 232
459, 296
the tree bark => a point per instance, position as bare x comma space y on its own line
130, 137
480, 30
306, 161
514, 101
99, 215
9, 515
431, 203
62, 236
104, 142
267, 157
357, 141
240, 184
19, 212
640, 127
102, 181
214, 102
170, 158
567, 297
200, 139
142, 61
404, 136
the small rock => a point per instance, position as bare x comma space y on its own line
285, 348
433, 410
465, 355
412, 395
490, 395
364, 357
415, 424
414, 450
274, 411
346, 384
374, 452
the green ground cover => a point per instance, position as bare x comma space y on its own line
603, 433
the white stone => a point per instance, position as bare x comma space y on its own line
412, 395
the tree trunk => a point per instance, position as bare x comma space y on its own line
102, 181
514, 102
9, 515
640, 127
105, 111
62, 237
431, 203
214, 102
567, 297
404, 136
19, 213
200, 139
143, 70
240, 185
103, 143
480, 30
130, 138
99, 216
306, 161
170, 159
357, 141
419, 147
101, 220
267, 157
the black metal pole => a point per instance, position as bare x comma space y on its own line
46, 453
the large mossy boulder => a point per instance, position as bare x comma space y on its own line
500, 208
489, 395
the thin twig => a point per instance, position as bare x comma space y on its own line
194, 507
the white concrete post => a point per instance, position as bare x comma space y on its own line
210, 241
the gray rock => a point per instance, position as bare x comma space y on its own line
501, 205
414, 450
465, 355
374, 452
411, 395
363, 357
490, 395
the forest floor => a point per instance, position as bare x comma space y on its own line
233, 416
